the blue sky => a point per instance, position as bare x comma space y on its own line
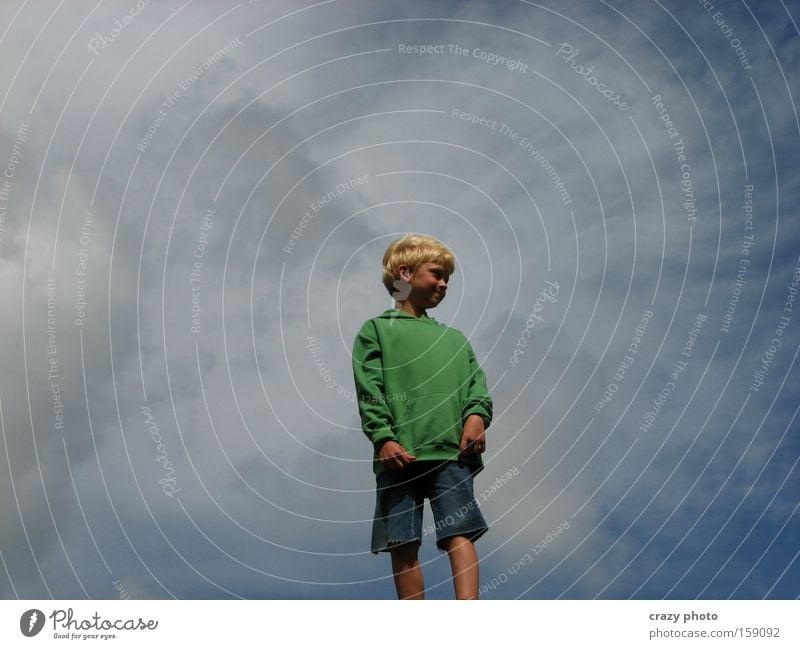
166, 427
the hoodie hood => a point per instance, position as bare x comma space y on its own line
397, 314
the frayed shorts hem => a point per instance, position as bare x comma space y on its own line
393, 544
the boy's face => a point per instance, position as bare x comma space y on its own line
428, 284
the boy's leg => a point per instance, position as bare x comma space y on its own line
408, 578
464, 563
459, 523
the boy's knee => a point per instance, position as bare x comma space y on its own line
452, 543
404, 550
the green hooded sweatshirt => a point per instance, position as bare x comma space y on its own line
417, 381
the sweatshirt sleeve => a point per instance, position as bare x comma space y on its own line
478, 400
376, 418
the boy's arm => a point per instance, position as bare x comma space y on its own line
478, 400
376, 418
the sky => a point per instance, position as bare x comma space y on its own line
195, 201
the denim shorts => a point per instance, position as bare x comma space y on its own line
400, 497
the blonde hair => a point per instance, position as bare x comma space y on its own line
414, 250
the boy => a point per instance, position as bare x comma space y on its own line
424, 406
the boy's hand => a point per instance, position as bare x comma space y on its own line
394, 457
473, 438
